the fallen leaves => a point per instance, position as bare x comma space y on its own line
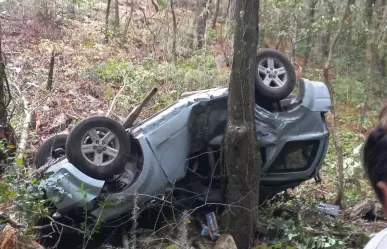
7, 237
10, 238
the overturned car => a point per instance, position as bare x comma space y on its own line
175, 153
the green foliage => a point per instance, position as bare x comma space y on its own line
161, 3
213, 34
173, 247
196, 72
113, 69
284, 219
348, 89
24, 191
290, 234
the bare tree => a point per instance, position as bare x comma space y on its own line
241, 150
174, 31
216, 13
6, 131
107, 20
369, 59
312, 11
231, 9
201, 21
326, 35
51, 71
128, 20
335, 134
155, 5
117, 14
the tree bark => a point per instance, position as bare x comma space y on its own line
6, 131
326, 36
117, 15
231, 10
107, 20
51, 71
335, 134
241, 149
215, 16
369, 12
174, 24
312, 11
128, 20
201, 22
368, 63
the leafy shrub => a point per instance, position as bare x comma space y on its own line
197, 72
113, 69
20, 188
348, 89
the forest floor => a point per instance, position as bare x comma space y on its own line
89, 73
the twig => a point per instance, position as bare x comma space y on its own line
133, 115
8, 18
95, 225
150, 30
64, 225
115, 98
6, 219
125, 240
339, 234
135, 215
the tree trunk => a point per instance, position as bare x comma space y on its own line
51, 71
369, 12
368, 60
312, 11
216, 13
326, 36
6, 131
201, 22
241, 149
174, 54
335, 134
128, 20
107, 20
117, 15
231, 9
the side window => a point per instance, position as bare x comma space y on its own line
295, 156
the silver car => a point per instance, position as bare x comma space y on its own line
175, 153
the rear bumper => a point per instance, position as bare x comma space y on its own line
69, 187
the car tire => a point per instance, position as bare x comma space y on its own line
86, 148
54, 147
275, 78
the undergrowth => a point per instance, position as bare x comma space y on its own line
194, 73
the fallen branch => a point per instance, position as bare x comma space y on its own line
27, 119
64, 225
339, 234
115, 99
51, 71
133, 115
5, 219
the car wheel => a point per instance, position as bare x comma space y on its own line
53, 147
275, 78
99, 147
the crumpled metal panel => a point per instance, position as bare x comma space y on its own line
70, 187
